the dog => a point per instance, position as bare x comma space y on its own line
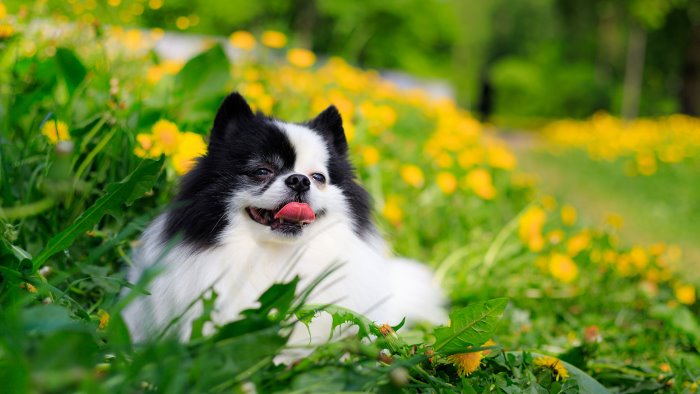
269, 200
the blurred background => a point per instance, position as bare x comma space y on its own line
513, 61
517, 65
542, 150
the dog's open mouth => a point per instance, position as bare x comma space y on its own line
289, 217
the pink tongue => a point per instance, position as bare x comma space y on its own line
296, 212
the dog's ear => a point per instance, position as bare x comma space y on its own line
233, 111
330, 125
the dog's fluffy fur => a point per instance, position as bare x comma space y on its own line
219, 232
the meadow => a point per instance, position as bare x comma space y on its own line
96, 130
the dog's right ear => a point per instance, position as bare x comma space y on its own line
232, 112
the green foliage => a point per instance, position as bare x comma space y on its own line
471, 326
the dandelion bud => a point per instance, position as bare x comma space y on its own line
384, 356
399, 376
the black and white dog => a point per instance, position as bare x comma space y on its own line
270, 199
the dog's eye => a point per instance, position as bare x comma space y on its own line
262, 172
318, 177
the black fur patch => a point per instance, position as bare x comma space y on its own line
241, 142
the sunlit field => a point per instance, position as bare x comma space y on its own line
549, 291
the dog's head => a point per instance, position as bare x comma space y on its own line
274, 178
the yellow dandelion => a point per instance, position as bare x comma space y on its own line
6, 31
155, 4
685, 294
481, 183
114, 3
104, 319
549, 202
562, 267
242, 39
55, 131
370, 155
146, 147
614, 220
639, 257
578, 243
412, 175
165, 134
190, 147
530, 228
302, 58
273, 39
501, 157
3, 11
554, 365
182, 22
568, 215
466, 363
447, 182
392, 210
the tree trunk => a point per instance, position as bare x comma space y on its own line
634, 70
305, 23
690, 75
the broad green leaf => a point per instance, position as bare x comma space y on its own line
202, 79
124, 192
71, 68
470, 326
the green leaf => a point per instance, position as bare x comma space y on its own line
275, 303
202, 79
470, 326
339, 316
72, 69
124, 192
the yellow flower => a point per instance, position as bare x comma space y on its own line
412, 175
104, 319
55, 131
685, 294
182, 22
165, 134
3, 11
392, 210
447, 182
466, 363
242, 39
302, 58
549, 202
6, 31
145, 146
501, 157
639, 257
577, 243
190, 146
554, 365
568, 215
615, 220
530, 228
444, 160
155, 4
562, 267
479, 180
273, 39
646, 163
370, 155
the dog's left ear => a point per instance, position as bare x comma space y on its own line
330, 125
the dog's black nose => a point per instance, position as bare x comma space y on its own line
298, 182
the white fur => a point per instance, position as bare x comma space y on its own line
251, 257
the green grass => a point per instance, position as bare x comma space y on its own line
664, 207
